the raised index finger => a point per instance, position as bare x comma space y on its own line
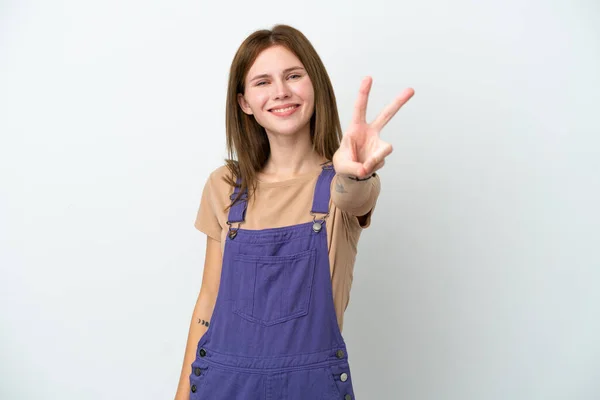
391, 110
360, 106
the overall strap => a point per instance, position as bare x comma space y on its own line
323, 190
237, 212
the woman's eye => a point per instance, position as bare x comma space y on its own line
293, 76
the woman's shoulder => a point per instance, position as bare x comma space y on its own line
219, 173
218, 180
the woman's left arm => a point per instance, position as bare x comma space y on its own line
355, 197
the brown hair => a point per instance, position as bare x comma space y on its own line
246, 139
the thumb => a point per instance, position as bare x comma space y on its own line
351, 168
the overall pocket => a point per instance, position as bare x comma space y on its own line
273, 289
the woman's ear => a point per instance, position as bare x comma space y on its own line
243, 104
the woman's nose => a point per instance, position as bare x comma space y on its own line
281, 90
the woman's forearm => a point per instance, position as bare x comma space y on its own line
355, 197
202, 312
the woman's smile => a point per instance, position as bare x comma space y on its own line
285, 110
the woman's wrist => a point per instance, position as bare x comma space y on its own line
357, 179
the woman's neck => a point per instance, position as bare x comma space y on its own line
291, 156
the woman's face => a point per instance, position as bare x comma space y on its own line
279, 92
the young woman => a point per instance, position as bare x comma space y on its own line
282, 219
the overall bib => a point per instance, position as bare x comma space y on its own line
273, 333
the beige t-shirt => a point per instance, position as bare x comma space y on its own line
284, 203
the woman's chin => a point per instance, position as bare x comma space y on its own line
291, 129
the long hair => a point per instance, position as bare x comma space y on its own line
247, 142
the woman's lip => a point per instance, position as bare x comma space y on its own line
285, 113
285, 106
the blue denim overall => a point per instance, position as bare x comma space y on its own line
273, 333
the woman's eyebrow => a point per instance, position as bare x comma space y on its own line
285, 71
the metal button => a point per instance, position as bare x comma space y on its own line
197, 371
202, 352
317, 227
339, 353
344, 377
193, 388
347, 397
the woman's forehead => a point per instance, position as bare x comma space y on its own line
274, 60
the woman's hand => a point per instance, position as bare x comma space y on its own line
362, 151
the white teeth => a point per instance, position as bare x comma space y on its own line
283, 109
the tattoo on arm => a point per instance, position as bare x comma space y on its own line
339, 187
203, 322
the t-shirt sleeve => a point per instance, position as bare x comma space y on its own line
206, 218
372, 202
365, 221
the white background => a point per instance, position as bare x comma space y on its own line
478, 279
